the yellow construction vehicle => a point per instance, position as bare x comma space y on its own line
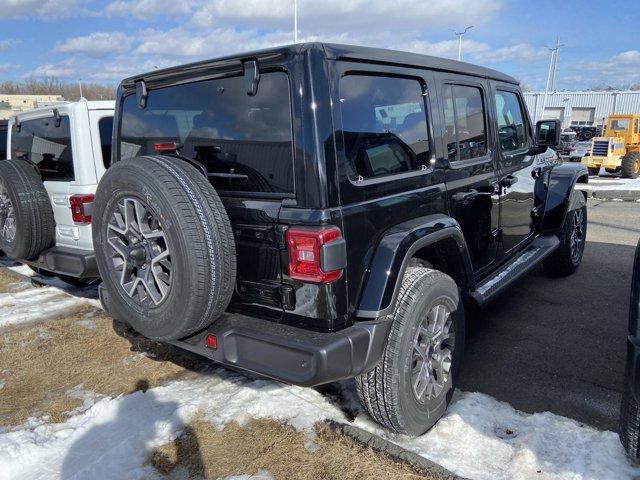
618, 149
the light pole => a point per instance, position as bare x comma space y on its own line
551, 77
80, 86
295, 21
460, 34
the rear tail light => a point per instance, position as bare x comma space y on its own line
81, 208
166, 147
305, 254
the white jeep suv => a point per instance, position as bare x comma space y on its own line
55, 158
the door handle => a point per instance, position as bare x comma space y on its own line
464, 197
508, 181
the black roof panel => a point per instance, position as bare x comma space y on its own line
336, 51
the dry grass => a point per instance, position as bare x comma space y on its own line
206, 452
7, 279
40, 364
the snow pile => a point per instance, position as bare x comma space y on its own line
112, 439
31, 305
610, 182
481, 438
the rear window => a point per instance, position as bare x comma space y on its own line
105, 128
47, 145
244, 142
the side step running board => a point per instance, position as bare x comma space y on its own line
495, 284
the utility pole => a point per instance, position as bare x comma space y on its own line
80, 85
295, 21
551, 78
460, 34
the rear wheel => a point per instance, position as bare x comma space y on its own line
164, 247
630, 422
630, 165
27, 226
568, 256
412, 384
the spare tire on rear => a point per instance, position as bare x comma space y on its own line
27, 226
164, 246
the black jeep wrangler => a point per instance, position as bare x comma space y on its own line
320, 212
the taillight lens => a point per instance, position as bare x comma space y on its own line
79, 208
305, 246
165, 147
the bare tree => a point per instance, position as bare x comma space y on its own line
54, 86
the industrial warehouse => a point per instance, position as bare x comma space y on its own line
582, 108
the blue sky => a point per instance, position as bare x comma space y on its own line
104, 41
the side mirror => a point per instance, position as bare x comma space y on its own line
548, 133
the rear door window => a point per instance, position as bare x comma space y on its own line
464, 114
384, 125
244, 142
48, 146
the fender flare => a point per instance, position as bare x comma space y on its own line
561, 183
392, 256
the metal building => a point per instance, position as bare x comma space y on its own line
582, 108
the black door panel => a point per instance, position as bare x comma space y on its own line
471, 171
515, 166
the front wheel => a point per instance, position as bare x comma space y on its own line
411, 386
568, 256
630, 165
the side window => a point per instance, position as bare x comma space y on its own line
511, 125
47, 145
105, 127
384, 125
465, 132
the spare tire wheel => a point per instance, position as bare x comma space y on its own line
27, 226
164, 246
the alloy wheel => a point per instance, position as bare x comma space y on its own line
140, 255
577, 235
432, 354
7, 216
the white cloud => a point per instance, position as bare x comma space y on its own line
358, 15
179, 42
97, 45
8, 44
522, 52
42, 9
620, 70
8, 67
144, 9
68, 68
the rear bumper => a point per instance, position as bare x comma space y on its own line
290, 354
68, 261
286, 353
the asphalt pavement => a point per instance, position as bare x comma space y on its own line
558, 345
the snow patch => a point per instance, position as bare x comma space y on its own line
482, 438
112, 438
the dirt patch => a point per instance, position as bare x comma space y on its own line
205, 452
39, 365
